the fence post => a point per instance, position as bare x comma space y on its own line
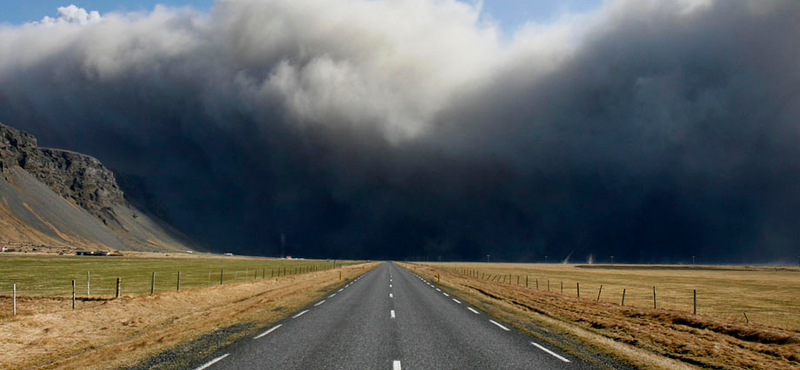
695, 302
526, 281
221, 274
178, 288
15, 299
340, 275
438, 278
537, 284
153, 283
208, 283
88, 284
246, 272
118, 281
623, 297
517, 279
655, 305
548, 285
598, 293
73, 294
562, 287
579, 289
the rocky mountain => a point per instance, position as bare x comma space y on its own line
62, 199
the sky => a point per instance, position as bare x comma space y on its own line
510, 14
651, 130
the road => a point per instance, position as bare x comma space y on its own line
389, 318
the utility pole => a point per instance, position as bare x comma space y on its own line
692, 260
545, 259
440, 258
612, 260
487, 258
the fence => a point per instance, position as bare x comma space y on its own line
111, 278
769, 300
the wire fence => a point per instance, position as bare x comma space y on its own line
766, 303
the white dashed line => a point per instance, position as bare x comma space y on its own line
390, 285
498, 325
390, 295
391, 313
340, 290
438, 290
445, 294
473, 311
320, 302
331, 296
299, 314
456, 301
550, 352
396, 365
214, 361
267, 332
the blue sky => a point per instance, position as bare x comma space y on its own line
510, 13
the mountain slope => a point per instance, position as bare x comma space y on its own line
58, 198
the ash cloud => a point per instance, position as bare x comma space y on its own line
648, 130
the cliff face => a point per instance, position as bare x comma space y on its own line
78, 179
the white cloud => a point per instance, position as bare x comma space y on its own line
74, 15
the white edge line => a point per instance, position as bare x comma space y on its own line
214, 361
267, 332
299, 314
396, 365
319, 303
550, 352
456, 301
473, 311
390, 295
391, 313
446, 295
331, 296
500, 326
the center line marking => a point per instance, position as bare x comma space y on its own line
550, 352
456, 301
267, 332
390, 295
390, 285
473, 311
396, 365
214, 361
320, 302
299, 314
391, 313
498, 325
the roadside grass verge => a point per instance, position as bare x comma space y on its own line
645, 337
124, 332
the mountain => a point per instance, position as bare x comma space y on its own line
52, 198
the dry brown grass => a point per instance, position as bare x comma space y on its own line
113, 333
636, 333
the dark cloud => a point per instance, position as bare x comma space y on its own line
650, 130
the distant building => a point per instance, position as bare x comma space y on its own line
92, 253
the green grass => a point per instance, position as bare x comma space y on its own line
39, 275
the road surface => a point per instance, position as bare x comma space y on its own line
389, 318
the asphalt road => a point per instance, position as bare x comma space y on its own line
389, 318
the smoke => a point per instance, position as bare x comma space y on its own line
650, 130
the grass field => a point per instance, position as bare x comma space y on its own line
768, 295
51, 276
668, 337
119, 333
